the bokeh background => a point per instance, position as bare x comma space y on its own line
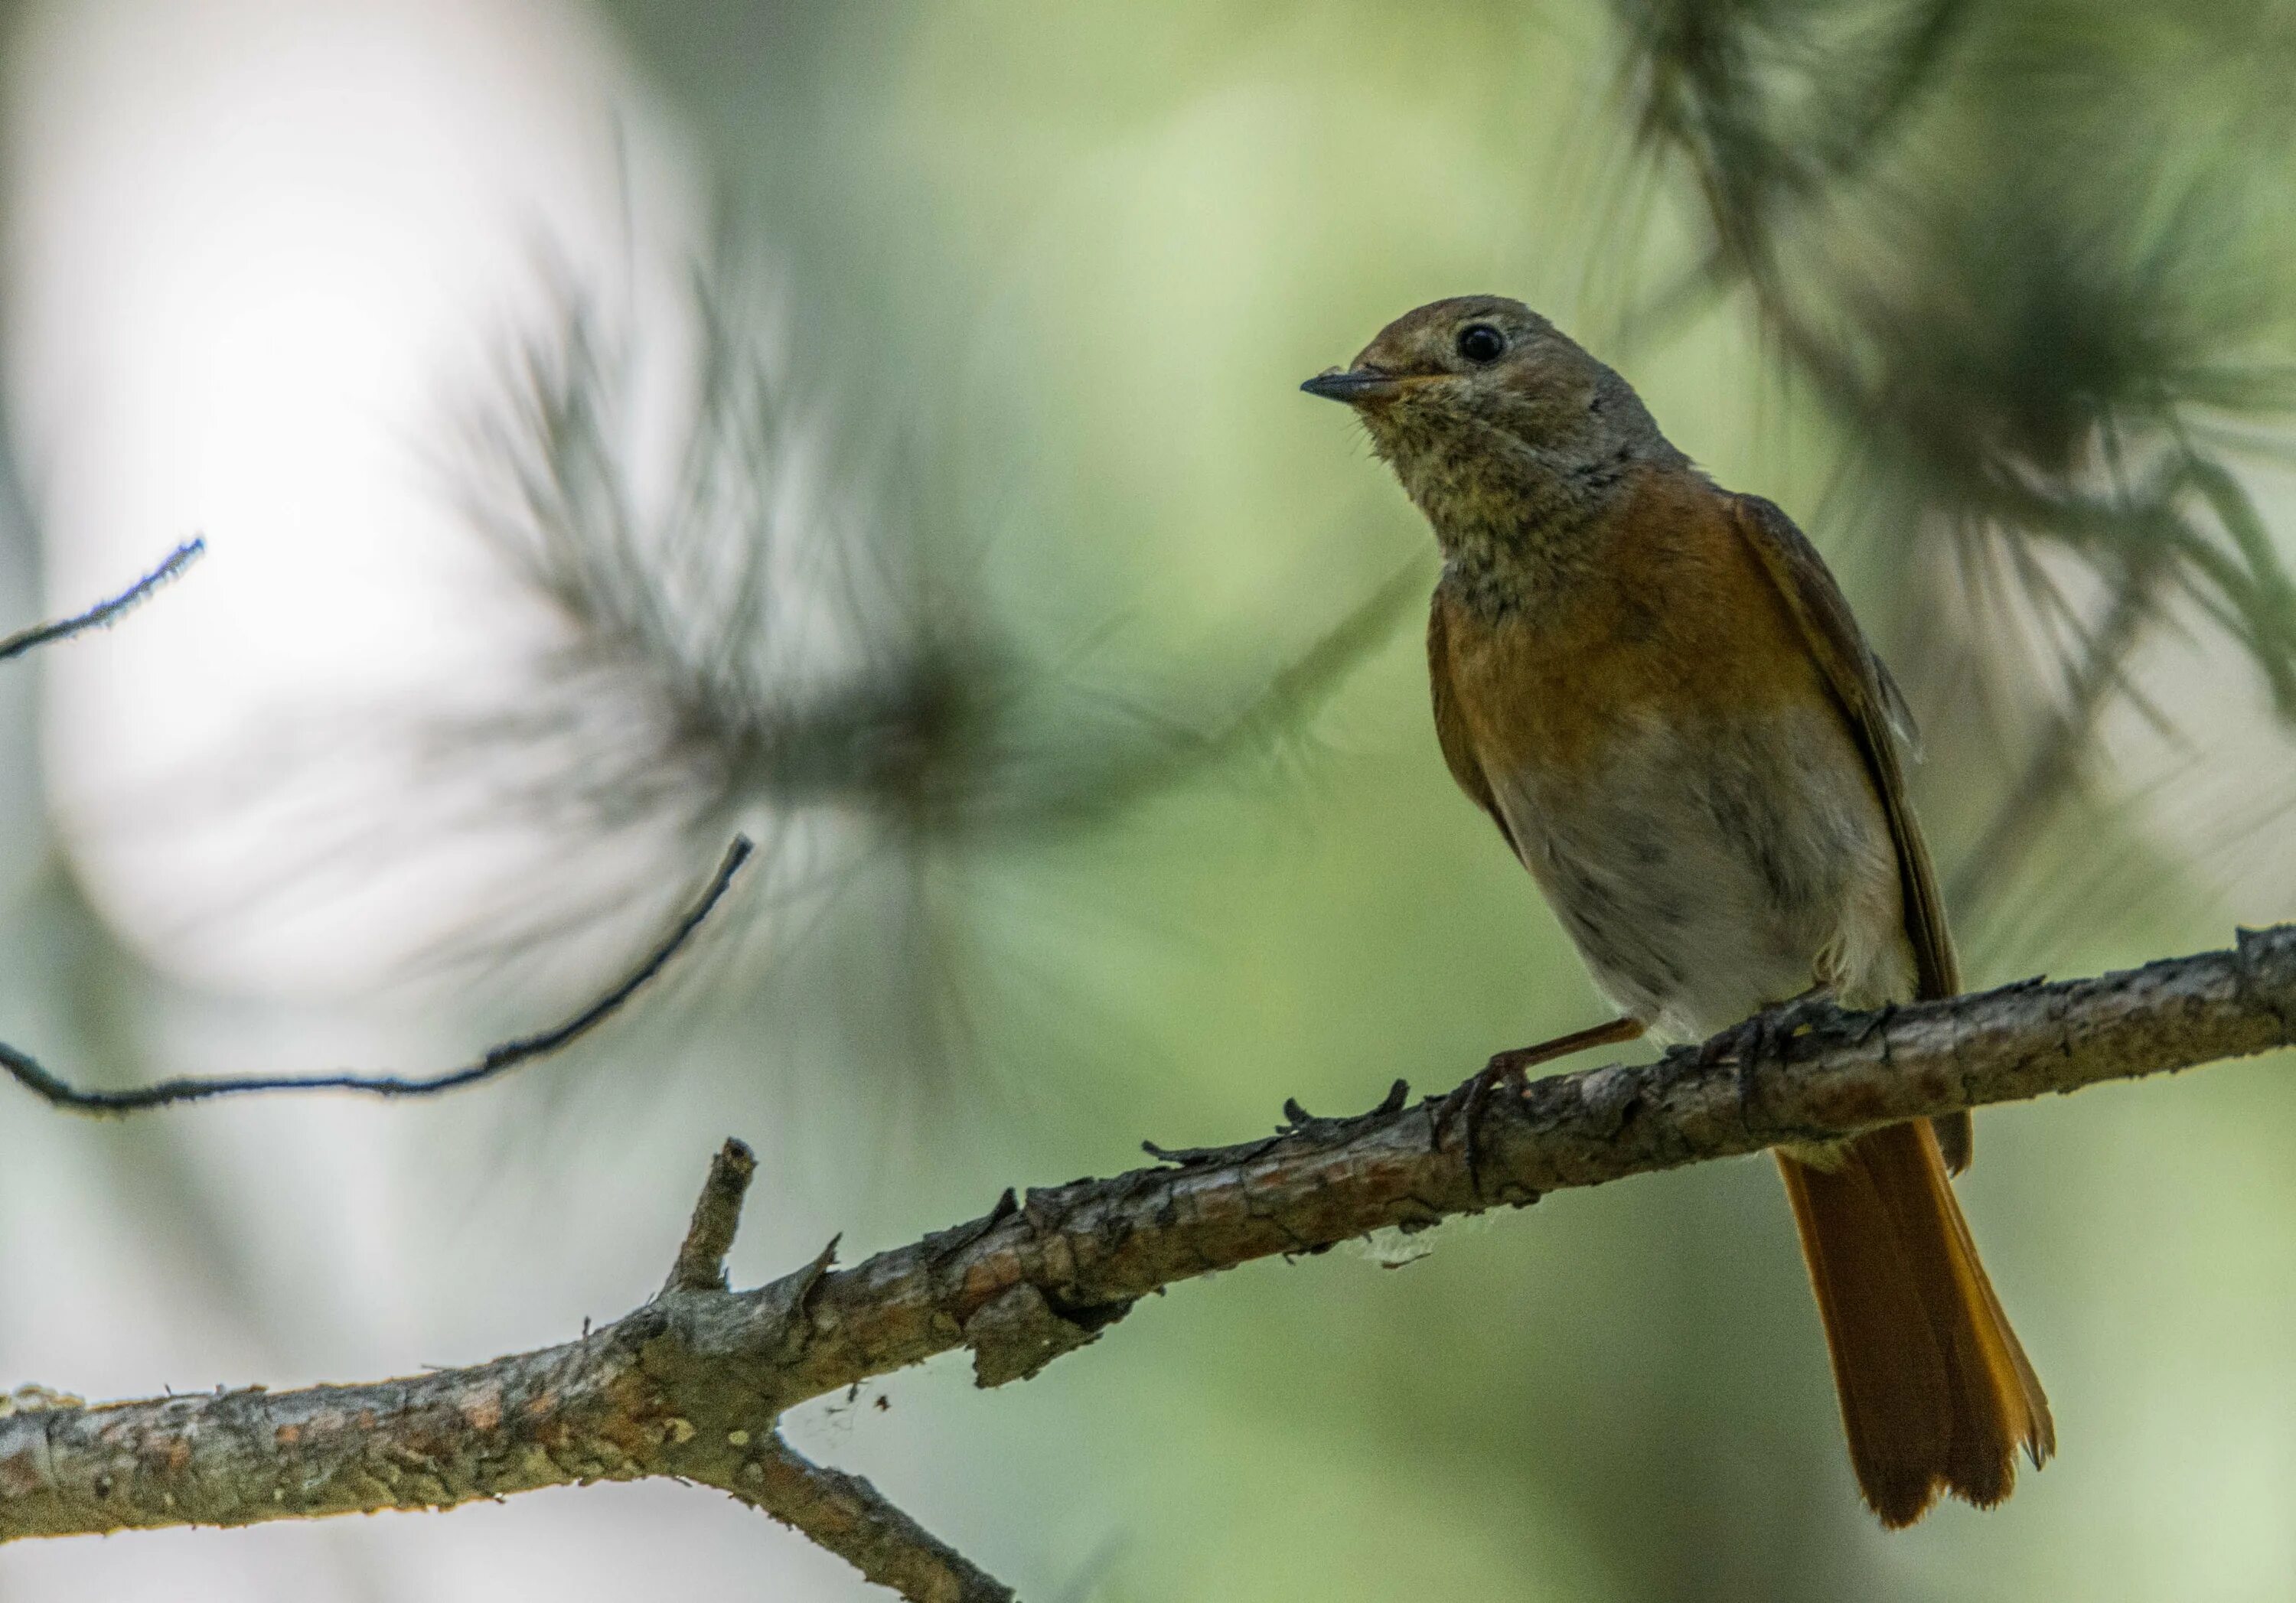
873, 426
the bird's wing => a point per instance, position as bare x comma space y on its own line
1878, 720
1451, 729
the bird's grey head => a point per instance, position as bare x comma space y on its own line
1487, 411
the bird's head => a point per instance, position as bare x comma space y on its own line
1481, 404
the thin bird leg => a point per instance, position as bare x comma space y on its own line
1513, 1067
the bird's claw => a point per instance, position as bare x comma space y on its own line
1742, 1042
1748, 1040
1511, 1068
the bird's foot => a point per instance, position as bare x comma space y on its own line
1510, 1068
1752, 1039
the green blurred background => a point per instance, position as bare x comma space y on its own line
1993, 299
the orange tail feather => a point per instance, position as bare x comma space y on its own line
1936, 1393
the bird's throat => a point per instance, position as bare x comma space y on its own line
1517, 541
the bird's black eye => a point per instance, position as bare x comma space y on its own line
1480, 342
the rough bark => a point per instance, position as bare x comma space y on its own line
694, 1384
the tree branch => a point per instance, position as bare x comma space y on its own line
693, 1385
840, 1512
852, 1519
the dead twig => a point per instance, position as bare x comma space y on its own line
27, 1072
106, 612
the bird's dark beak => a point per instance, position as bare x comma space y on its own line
1353, 386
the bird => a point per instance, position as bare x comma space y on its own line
1657, 691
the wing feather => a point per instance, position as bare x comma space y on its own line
1451, 727
1879, 722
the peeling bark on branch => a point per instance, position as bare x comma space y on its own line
694, 1384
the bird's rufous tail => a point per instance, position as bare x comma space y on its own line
1936, 1395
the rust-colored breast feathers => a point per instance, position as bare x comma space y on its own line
1683, 625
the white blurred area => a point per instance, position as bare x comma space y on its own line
2189, 748
250, 253
2217, 785
257, 254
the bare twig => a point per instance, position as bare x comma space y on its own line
27, 1071
701, 1263
852, 1519
694, 1384
107, 611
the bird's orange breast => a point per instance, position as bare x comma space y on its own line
1672, 621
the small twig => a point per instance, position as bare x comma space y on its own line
27, 1072
104, 612
701, 1263
851, 1518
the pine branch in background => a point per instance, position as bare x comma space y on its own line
31, 1074
780, 633
790, 640
753, 645
2059, 350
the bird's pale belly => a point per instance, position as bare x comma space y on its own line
1705, 879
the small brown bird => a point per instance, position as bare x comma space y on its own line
1655, 689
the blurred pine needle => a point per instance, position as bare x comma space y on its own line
778, 637
2049, 331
